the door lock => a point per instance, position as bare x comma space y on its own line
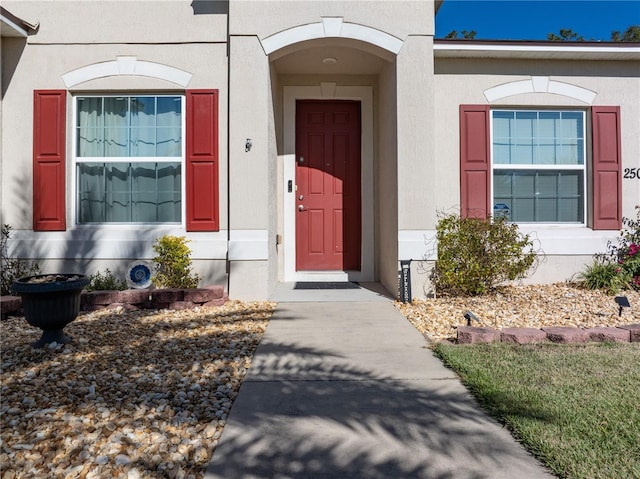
301, 197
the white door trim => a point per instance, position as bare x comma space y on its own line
364, 94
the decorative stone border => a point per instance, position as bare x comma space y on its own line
135, 299
559, 334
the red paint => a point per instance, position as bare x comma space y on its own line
328, 229
49, 156
607, 168
202, 185
475, 165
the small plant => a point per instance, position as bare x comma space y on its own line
475, 255
604, 274
173, 263
619, 267
12, 269
105, 282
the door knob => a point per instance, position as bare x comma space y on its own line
300, 207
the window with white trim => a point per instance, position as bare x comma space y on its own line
539, 172
129, 153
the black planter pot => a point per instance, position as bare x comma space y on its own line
50, 302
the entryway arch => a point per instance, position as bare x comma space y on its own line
328, 69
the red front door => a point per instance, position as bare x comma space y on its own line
328, 215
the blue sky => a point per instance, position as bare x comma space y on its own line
533, 20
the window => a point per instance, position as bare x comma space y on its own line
538, 165
129, 154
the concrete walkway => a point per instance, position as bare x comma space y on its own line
348, 389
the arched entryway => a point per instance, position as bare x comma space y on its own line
339, 83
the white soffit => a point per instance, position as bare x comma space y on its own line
12, 26
331, 27
547, 50
126, 65
9, 28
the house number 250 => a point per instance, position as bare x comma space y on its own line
632, 173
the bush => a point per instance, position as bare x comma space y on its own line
619, 267
475, 255
12, 269
105, 282
173, 263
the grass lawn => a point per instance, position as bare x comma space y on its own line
575, 407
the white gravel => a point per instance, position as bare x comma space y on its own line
146, 394
136, 395
525, 306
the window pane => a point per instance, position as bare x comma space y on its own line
143, 142
169, 141
90, 127
119, 127
569, 183
116, 142
523, 209
90, 180
169, 199
502, 184
542, 138
169, 111
571, 125
145, 127
145, 192
570, 210
526, 124
545, 195
546, 184
523, 183
118, 199
546, 210
548, 124
143, 111
523, 154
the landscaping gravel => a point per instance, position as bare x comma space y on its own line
522, 306
145, 394
136, 395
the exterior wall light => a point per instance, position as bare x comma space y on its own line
248, 144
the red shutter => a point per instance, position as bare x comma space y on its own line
49, 118
202, 161
475, 164
607, 169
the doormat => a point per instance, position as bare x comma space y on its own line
326, 285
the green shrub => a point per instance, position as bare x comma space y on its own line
475, 255
619, 267
173, 263
105, 282
12, 269
604, 274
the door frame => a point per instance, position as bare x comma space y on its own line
329, 91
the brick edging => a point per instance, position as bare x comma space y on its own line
558, 334
135, 299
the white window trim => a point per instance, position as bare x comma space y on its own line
583, 167
75, 160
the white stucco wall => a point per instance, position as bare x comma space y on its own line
465, 81
399, 18
107, 54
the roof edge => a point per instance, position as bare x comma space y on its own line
16, 22
444, 48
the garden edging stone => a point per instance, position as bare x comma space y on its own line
135, 299
558, 334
